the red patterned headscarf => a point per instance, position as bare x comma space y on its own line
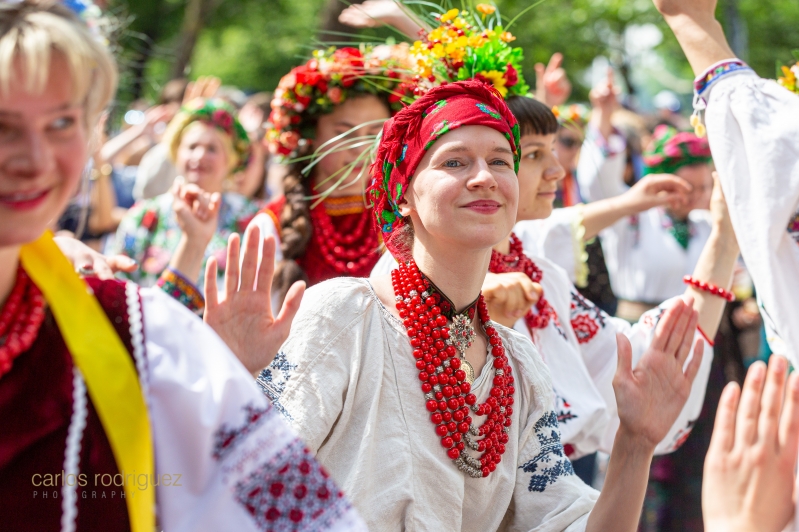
407, 137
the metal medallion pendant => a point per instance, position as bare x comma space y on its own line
461, 336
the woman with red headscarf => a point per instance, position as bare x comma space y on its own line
428, 413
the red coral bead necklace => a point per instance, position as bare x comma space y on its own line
439, 356
20, 319
349, 254
516, 261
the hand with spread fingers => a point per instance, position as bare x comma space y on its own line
243, 316
750, 468
375, 13
509, 296
651, 395
655, 190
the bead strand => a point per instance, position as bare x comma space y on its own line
448, 395
709, 288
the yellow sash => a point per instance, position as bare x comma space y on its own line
107, 368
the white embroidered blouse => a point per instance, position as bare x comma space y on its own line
754, 134
347, 381
213, 428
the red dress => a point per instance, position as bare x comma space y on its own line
35, 412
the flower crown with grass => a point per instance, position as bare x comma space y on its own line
327, 80
789, 75
468, 45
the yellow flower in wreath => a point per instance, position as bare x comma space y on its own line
497, 79
449, 15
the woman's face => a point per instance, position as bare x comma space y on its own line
43, 150
539, 173
465, 192
367, 111
570, 139
202, 158
700, 177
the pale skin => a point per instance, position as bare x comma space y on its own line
462, 201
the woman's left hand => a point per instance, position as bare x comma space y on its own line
243, 317
90, 263
651, 395
197, 212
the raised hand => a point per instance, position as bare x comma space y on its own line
375, 13
749, 475
243, 316
655, 190
552, 85
197, 212
509, 296
204, 87
651, 395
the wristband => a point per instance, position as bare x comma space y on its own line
710, 288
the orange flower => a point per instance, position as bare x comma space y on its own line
485, 9
507, 36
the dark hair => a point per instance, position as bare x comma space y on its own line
534, 117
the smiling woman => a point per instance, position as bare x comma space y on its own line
407, 378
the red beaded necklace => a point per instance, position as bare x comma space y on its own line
439, 355
20, 319
349, 254
517, 261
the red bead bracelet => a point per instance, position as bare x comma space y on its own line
710, 288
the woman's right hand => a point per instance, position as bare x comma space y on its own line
655, 190
197, 212
510, 296
749, 474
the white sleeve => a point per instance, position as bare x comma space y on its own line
754, 136
600, 170
596, 334
216, 435
559, 238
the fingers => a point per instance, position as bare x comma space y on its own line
771, 403
232, 270
625, 354
723, 437
666, 325
121, 263
554, 62
677, 336
789, 424
266, 270
290, 307
749, 409
669, 183
696, 361
688, 336
210, 289
249, 266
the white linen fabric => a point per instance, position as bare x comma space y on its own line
644, 260
241, 466
754, 135
347, 381
580, 350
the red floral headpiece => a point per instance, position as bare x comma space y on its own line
327, 80
407, 137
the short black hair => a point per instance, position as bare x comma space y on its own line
534, 117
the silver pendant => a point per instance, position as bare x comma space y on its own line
461, 336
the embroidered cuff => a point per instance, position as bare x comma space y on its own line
180, 288
703, 82
578, 246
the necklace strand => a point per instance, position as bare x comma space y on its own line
351, 253
20, 320
516, 261
448, 395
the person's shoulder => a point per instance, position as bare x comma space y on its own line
336, 303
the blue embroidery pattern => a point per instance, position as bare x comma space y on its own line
273, 380
551, 458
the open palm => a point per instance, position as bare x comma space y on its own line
243, 317
651, 396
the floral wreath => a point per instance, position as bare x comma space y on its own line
217, 113
576, 114
790, 75
327, 80
468, 45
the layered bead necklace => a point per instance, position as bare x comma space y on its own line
349, 254
439, 351
20, 319
517, 261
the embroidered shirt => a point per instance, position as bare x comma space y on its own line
347, 379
